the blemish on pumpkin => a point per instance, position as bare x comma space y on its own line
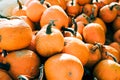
70, 73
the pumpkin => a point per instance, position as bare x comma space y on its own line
73, 8
94, 33
110, 53
49, 40
76, 47
23, 62
19, 10
4, 75
14, 34
60, 17
35, 10
108, 13
95, 51
107, 70
68, 66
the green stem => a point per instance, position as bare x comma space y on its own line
42, 1
67, 29
72, 2
5, 66
111, 55
48, 30
19, 3
97, 46
92, 17
75, 27
112, 6
1, 16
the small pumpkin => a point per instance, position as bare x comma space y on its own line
94, 33
107, 70
60, 17
49, 40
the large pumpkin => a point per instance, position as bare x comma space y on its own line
14, 34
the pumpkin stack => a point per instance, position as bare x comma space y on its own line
79, 39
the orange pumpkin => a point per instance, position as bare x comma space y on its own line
94, 33
60, 3
94, 54
108, 13
34, 6
4, 75
60, 17
19, 10
77, 48
14, 34
68, 66
116, 36
107, 70
49, 40
110, 53
116, 23
73, 8
23, 62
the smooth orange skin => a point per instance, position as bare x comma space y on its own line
60, 3
54, 13
107, 70
101, 22
116, 23
4, 75
82, 17
15, 34
19, 12
49, 44
81, 2
32, 8
23, 62
88, 9
73, 9
68, 66
116, 36
94, 33
106, 14
77, 48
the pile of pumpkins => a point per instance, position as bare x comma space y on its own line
60, 40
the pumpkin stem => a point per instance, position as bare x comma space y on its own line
92, 17
1, 16
97, 46
5, 66
42, 1
76, 27
111, 55
112, 6
41, 72
49, 31
22, 77
19, 3
117, 7
67, 29
72, 2
4, 52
